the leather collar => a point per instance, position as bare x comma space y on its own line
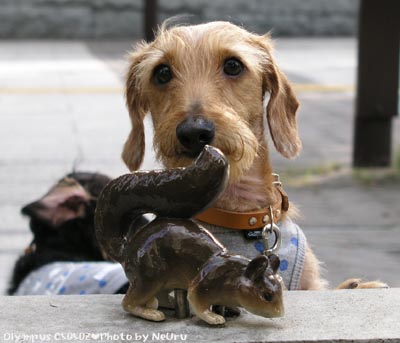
252, 220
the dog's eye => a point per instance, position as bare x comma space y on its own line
233, 67
162, 74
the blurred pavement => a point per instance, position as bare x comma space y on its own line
62, 105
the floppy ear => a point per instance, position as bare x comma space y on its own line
66, 201
133, 151
281, 108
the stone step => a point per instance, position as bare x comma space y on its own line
325, 316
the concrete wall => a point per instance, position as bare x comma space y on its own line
123, 18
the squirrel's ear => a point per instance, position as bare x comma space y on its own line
274, 263
256, 267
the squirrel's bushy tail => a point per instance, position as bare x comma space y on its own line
171, 193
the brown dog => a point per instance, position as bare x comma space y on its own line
206, 84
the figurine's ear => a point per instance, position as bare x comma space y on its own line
65, 201
256, 267
274, 262
133, 151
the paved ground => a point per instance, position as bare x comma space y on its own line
61, 105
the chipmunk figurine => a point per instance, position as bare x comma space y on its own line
174, 251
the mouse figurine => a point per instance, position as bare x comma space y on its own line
174, 251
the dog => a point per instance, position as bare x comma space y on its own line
64, 247
218, 84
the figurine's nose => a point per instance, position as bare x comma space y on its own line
194, 133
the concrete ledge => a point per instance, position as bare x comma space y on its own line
327, 316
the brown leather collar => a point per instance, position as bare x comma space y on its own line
248, 220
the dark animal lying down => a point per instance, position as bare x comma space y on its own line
64, 257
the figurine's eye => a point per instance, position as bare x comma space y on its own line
268, 297
233, 67
162, 74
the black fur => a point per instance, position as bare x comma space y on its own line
73, 240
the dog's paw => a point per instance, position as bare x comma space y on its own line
361, 284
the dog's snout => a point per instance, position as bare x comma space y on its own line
194, 133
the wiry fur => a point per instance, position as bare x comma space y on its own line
196, 55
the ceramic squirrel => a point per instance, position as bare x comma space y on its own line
174, 251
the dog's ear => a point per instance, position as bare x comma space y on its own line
65, 201
282, 106
133, 151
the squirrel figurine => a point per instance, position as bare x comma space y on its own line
176, 252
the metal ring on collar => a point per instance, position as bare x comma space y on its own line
271, 228
277, 244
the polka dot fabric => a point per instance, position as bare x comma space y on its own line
291, 253
74, 278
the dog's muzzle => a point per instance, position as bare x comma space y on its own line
194, 133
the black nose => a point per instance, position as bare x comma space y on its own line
194, 133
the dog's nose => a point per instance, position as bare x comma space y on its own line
194, 133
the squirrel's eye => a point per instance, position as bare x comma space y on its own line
162, 74
268, 297
233, 67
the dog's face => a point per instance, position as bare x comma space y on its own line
63, 219
205, 84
